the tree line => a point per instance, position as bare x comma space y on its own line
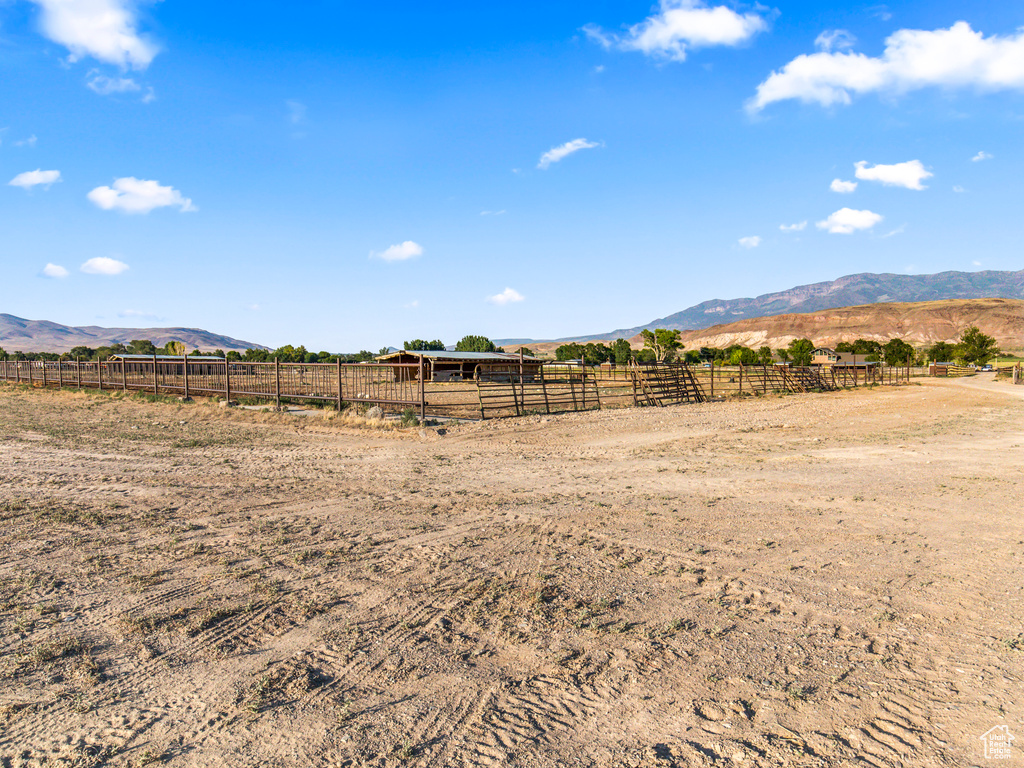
660, 345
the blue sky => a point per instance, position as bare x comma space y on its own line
345, 177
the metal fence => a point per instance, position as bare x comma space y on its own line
496, 390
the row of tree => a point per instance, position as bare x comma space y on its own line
663, 345
660, 345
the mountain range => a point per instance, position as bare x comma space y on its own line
851, 290
18, 334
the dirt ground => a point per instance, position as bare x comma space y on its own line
812, 580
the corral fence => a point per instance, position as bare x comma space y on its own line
1013, 372
496, 389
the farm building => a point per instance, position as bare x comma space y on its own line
454, 366
823, 357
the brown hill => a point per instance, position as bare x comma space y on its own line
919, 324
17, 333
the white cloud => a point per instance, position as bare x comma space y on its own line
138, 314
54, 270
102, 265
132, 195
296, 112
555, 154
508, 296
834, 39
958, 188
892, 233
843, 187
414, 304
976, 263
680, 25
35, 178
957, 57
400, 252
103, 29
981, 156
29, 142
105, 86
847, 220
798, 227
492, 213
909, 174
750, 242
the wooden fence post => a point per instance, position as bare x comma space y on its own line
227, 379
423, 391
124, 376
544, 389
156, 380
60, 372
99, 374
184, 361
44, 373
339, 384
78, 370
277, 382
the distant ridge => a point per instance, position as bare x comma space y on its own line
18, 334
848, 291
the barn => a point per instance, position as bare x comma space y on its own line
457, 366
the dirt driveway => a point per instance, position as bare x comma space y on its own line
811, 580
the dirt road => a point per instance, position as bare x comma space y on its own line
811, 580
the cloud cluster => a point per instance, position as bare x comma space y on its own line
680, 25
843, 187
750, 242
105, 86
508, 296
400, 252
983, 155
846, 221
55, 271
909, 174
103, 265
798, 227
131, 195
957, 57
35, 178
103, 29
555, 154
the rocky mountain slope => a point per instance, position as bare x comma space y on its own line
16, 333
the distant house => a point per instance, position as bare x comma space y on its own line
455, 366
823, 357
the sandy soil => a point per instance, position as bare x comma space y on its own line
811, 580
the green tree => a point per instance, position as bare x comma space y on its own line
621, 352
783, 355
86, 352
419, 345
646, 356
800, 351
475, 344
174, 348
595, 354
525, 351
663, 343
742, 356
898, 352
570, 351
692, 357
141, 347
764, 356
942, 352
845, 346
975, 347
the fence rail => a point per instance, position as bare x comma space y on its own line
497, 390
